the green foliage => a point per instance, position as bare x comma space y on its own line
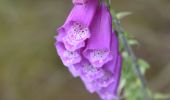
122, 15
133, 42
131, 86
159, 96
129, 81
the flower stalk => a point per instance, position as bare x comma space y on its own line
119, 29
89, 47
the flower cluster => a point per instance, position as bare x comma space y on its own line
89, 47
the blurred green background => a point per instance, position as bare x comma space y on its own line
30, 68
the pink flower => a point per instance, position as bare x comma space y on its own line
76, 28
68, 57
110, 92
80, 1
89, 48
99, 46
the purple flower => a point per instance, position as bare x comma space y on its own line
80, 1
74, 71
98, 50
68, 57
76, 28
94, 78
111, 91
107, 76
89, 48
88, 72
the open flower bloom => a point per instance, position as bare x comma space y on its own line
94, 78
109, 74
106, 75
68, 57
90, 87
74, 71
88, 72
103, 78
80, 1
89, 48
110, 92
98, 49
76, 28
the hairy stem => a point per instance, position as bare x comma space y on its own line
128, 48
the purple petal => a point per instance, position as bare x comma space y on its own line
76, 27
88, 72
76, 36
74, 71
60, 36
80, 2
90, 86
111, 65
105, 80
110, 92
98, 50
68, 57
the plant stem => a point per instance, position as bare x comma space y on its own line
136, 66
128, 48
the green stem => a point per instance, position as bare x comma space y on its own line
128, 48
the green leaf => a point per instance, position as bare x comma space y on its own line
143, 65
125, 55
122, 15
133, 42
159, 96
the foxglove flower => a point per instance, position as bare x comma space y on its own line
74, 71
89, 47
108, 79
88, 72
81, 2
110, 92
95, 78
76, 28
68, 57
98, 50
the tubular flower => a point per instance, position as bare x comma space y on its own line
88, 72
98, 49
80, 1
89, 48
110, 92
76, 28
98, 79
68, 57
